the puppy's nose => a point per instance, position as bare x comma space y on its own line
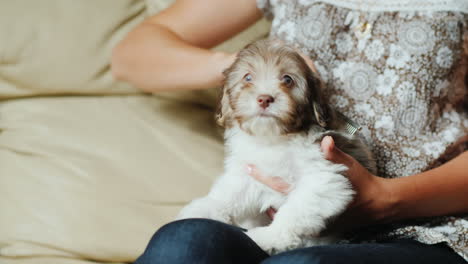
264, 100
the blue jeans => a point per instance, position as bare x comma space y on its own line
194, 241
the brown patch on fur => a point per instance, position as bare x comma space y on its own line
224, 109
314, 110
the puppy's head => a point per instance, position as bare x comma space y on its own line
270, 90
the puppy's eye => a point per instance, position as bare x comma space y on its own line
248, 77
286, 79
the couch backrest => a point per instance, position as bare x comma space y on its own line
62, 46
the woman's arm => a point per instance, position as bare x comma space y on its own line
440, 191
170, 51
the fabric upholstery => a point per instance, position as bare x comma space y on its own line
93, 177
62, 46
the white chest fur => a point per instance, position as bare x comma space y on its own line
295, 159
318, 190
279, 156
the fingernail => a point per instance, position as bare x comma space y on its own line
324, 142
249, 169
330, 141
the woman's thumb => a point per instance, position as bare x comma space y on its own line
332, 153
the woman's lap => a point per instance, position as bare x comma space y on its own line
201, 241
401, 252
206, 241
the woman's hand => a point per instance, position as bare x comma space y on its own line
372, 202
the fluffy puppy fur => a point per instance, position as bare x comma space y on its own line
275, 117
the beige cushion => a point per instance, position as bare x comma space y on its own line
62, 46
94, 177
90, 178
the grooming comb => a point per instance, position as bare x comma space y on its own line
349, 125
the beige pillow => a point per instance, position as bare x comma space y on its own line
62, 46
94, 177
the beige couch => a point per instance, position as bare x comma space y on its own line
91, 167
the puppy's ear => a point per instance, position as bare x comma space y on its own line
322, 112
224, 112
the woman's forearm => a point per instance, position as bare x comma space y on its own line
170, 50
155, 59
440, 191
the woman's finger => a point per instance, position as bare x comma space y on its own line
271, 212
327, 145
275, 183
334, 154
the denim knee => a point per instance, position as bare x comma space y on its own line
198, 241
177, 241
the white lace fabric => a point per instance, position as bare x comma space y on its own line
398, 68
399, 5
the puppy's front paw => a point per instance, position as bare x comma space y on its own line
274, 241
204, 208
262, 238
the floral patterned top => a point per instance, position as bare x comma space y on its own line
399, 69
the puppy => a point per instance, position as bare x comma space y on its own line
275, 117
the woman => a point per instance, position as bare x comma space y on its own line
396, 67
